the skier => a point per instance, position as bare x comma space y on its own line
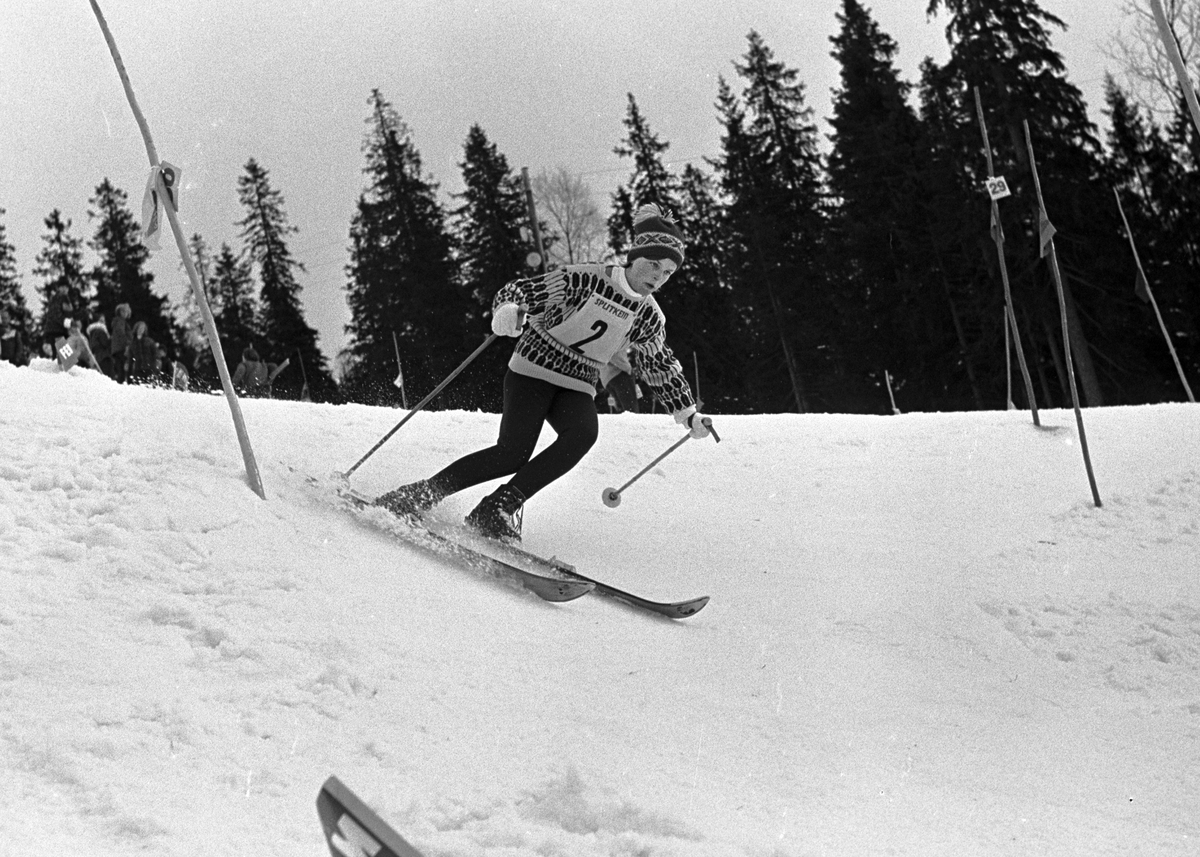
578, 318
254, 377
250, 377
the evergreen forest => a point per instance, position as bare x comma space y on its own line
860, 269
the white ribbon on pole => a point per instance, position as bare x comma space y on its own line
151, 218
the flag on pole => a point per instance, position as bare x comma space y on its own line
1046, 230
151, 220
996, 229
1141, 288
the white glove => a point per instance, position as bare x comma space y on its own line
694, 420
699, 424
508, 320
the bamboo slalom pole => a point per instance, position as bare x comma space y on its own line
887, 377
1046, 239
163, 180
491, 337
399, 372
1154, 303
1172, 47
1008, 364
1009, 315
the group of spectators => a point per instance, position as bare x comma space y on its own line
127, 354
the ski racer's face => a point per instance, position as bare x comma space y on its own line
646, 276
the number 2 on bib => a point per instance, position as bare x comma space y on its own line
599, 326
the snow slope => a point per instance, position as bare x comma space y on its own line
923, 638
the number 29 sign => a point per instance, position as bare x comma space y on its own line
997, 188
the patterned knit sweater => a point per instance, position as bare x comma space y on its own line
581, 316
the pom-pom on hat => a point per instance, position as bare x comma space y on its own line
655, 236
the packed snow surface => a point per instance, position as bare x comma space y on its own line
924, 637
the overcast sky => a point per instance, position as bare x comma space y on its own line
286, 82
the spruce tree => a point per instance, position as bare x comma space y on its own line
878, 235
235, 309
65, 290
120, 274
1141, 165
491, 252
651, 181
897, 235
1005, 50
1154, 172
401, 277
770, 172
701, 320
1184, 141
12, 300
704, 326
285, 333
193, 340
1138, 158
964, 324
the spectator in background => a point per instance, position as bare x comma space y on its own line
141, 357
120, 339
12, 348
617, 380
101, 345
76, 349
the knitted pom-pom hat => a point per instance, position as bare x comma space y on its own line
655, 236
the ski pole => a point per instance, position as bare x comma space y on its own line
490, 338
612, 496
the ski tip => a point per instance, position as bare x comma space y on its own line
684, 609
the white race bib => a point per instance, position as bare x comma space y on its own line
596, 330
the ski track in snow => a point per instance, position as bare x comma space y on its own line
923, 638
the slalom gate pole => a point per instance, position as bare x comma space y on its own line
1172, 48
1046, 239
490, 339
399, 371
1162, 325
164, 178
1010, 316
612, 496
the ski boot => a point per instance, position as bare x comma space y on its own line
498, 515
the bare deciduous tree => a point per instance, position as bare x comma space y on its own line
568, 205
1138, 47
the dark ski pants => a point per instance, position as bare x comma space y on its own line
528, 404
